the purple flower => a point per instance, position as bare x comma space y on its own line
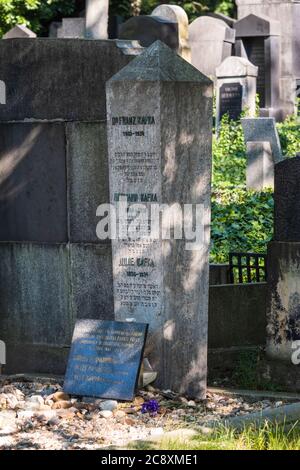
150, 407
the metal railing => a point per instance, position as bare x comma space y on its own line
247, 267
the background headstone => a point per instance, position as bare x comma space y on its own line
260, 166
148, 29
263, 130
73, 28
96, 18
236, 87
287, 14
19, 31
174, 150
258, 40
211, 41
283, 306
286, 199
176, 13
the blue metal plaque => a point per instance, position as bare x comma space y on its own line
105, 359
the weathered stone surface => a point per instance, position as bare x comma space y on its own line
286, 197
96, 19
91, 281
72, 28
211, 41
176, 13
19, 31
262, 38
260, 166
283, 307
263, 130
71, 86
34, 301
256, 25
148, 29
237, 315
44, 289
220, 16
175, 147
36, 358
219, 274
87, 178
33, 202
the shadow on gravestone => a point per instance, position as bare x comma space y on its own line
148, 29
159, 140
177, 14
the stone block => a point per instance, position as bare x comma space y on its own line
87, 178
62, 79
91, 281
260, 166
33, 202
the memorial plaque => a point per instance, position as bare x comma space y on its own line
255, 49
231, 100
105, 359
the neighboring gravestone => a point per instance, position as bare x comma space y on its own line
72, 28
211, 41
160, 151
176, 13
283, 307
287, 14
236, 87
263, 151
96, 19
105, 359
286, 198
19, 31
263, 130
260, 166
258, 40
55, 29
148, 29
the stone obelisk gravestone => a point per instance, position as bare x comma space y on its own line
159, 139
283, 307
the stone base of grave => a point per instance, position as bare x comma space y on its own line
283, 300
278, 375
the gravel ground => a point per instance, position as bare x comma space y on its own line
39, 415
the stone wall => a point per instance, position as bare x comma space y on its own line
53, 176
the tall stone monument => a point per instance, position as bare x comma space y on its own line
160, 153
211, 41
282, 47
177, 14
236, 87
96, 19
283, 306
